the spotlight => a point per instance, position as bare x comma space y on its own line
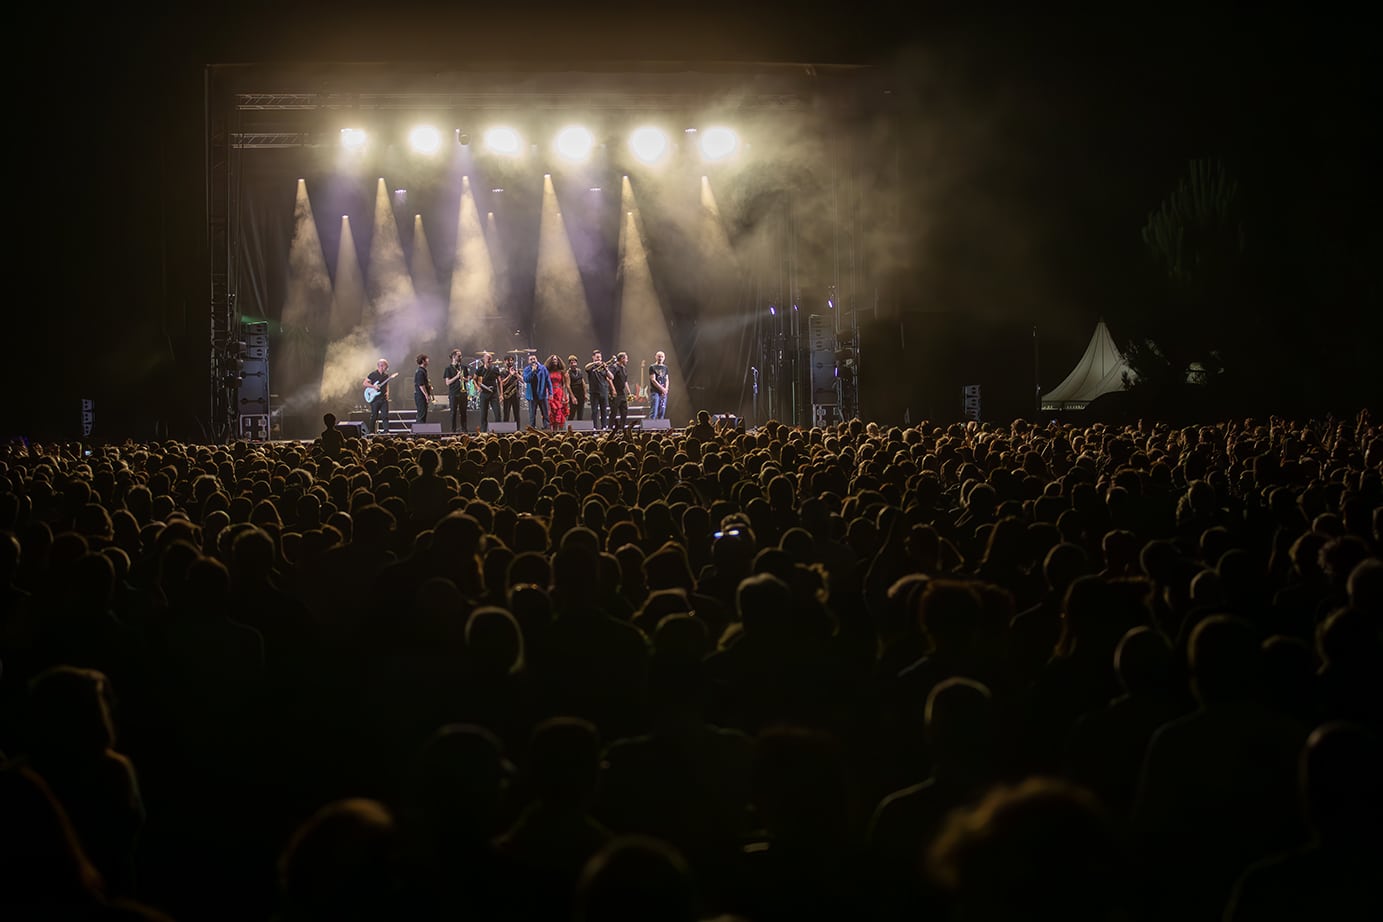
574, 142
773, 311
352, 138
462, 137
503, 141
718, 143
648, 144
425, 139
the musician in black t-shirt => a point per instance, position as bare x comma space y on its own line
379, 406
598, 387
422, 389
487, 380
619, 386
658, 386
576, 389
509, 390
455, 375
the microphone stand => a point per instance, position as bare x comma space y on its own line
755, 402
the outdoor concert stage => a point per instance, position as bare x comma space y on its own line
725, 215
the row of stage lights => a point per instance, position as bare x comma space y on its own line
574, 142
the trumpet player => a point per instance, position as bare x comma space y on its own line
599, 382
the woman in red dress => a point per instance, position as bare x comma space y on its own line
557, 403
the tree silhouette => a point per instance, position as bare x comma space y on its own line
1192, 327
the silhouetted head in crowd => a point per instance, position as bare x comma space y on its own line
763, 602
458, 784
338, 865
563, 764
1365, 587
962, 727
1225, 660
636, 879
1144, 662
1040, 850
1062, 565
494, 643
69, 714
951, 614
1342, 785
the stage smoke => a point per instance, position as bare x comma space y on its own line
561, 317
389, 285
473, 288
641, 324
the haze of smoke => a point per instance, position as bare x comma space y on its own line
348, 361
390, 286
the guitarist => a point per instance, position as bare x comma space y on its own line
379, 406
487, 380
422, 389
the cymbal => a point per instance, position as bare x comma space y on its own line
520, 351
481, 355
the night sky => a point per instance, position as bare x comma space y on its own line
1034, 146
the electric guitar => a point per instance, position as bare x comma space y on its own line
640, 391
373, 390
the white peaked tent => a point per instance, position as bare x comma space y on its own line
1100, 371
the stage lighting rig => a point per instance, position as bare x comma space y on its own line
574, 142
648, 144
504, 141
718, 143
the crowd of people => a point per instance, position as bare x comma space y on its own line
1024, 671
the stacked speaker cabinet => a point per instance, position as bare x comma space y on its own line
821, 356
252, 400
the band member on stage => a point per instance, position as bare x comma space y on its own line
658, 386
422, 389
560, 400
509, 390
379, 407
539, 384
455, 375
576, 389
488, 382
598, 383
619, 385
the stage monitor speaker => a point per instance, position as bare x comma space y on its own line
427, 428
656, 424
504, 427
351, 428
254, 426
580, 425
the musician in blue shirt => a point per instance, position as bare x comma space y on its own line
539, 382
